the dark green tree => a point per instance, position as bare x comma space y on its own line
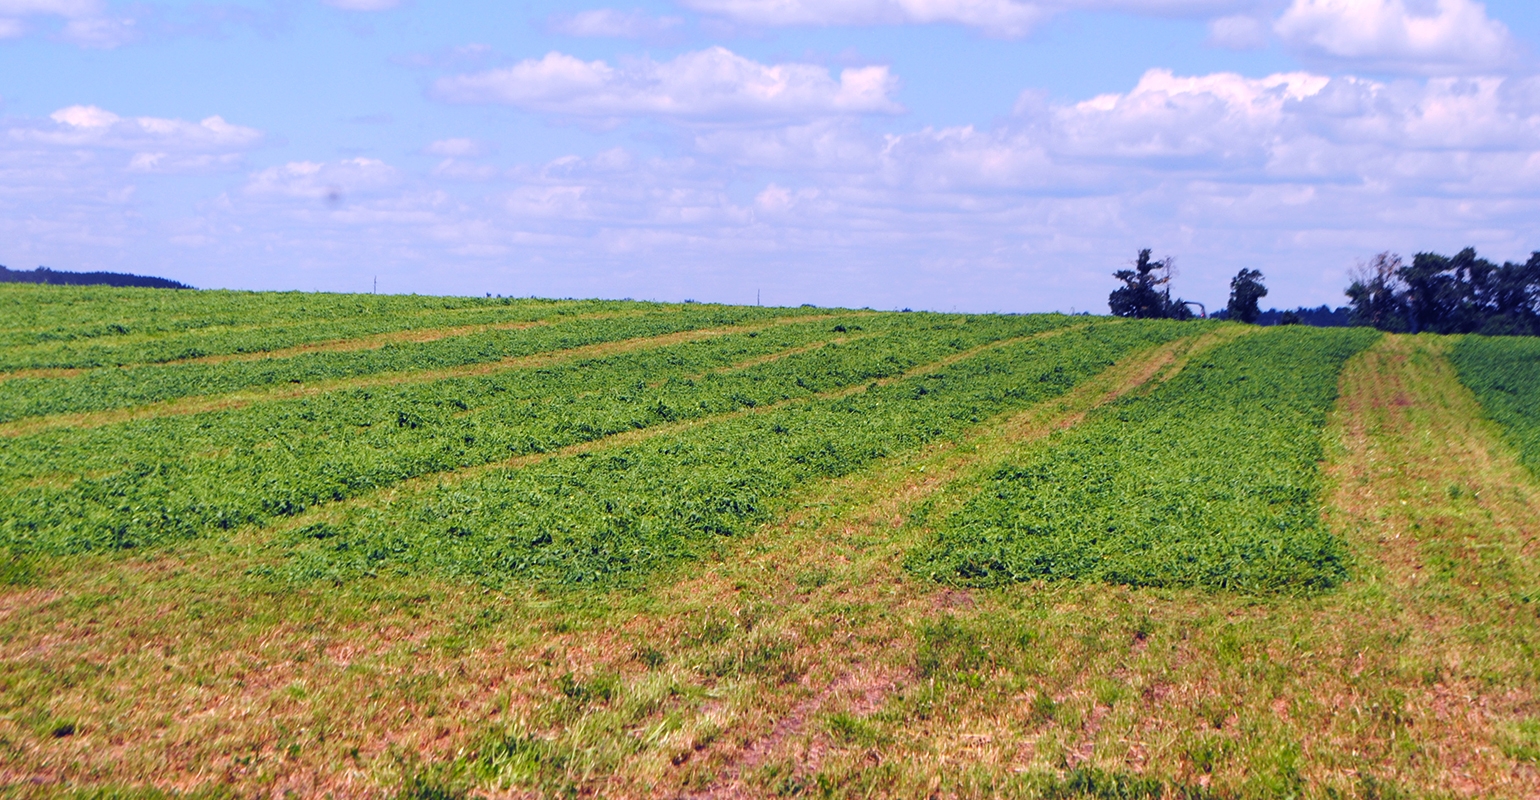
1377, 294
1245, 290
1448, 294
1146, 291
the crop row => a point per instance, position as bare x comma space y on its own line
107, 389
615, 515
1504, 374
35, 314
136, 345
1211, 480
148, 481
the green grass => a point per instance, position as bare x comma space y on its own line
610, 516
1209, 481
113, 388
152, 481
1504, 373
44, 327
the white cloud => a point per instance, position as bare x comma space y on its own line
1449, 36
1238, 32
79, 135
88, 134
458, 148
707, 85
1219, 118
333, 181
610, 23
96, 128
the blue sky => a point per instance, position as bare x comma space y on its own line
976, 155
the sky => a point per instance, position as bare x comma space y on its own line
950, 155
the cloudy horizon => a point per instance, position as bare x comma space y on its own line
972, 155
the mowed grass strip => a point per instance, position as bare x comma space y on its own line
167, 479
1504, 374
105, 397
616, 515
1209, 481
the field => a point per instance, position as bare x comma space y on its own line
408, 547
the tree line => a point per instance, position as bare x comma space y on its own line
1435, 293
57, 277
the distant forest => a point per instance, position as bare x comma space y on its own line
1320, 316
60, 278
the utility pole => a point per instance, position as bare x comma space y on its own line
376, 285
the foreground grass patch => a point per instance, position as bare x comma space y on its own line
1208, 481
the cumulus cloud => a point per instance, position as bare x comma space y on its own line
93, 127
88, 135
152, 144
707, 85
1219, 118
1467, 136
332, 181
613, 24
1447, 36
